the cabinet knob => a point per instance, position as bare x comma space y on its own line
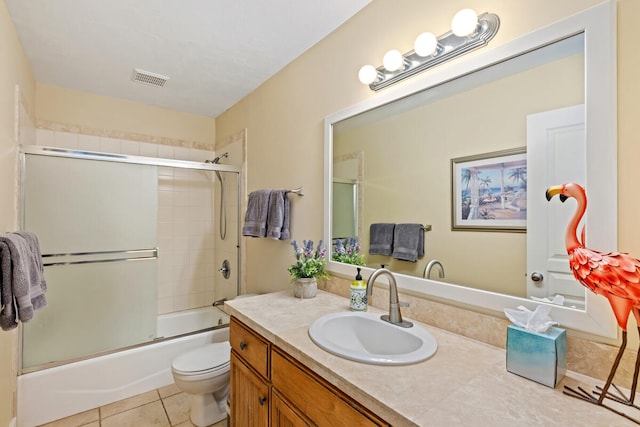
262, 400
243, 345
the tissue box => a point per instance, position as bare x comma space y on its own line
538, 356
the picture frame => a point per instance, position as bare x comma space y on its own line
489, 191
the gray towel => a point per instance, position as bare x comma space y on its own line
381, 239
36, 256
284, 232
8, 309
255, 219
278, 211
22, 283
408, 242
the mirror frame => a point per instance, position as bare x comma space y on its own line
598, 24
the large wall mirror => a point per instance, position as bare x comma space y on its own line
534, 112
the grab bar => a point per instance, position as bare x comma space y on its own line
153, 254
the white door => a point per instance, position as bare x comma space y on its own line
556, 154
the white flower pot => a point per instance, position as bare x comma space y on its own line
305, 288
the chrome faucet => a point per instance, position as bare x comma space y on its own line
433, 263
219, 302
395, 316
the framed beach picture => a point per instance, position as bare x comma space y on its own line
489, 191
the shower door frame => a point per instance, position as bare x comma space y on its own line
119, 158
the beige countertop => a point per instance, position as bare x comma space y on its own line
464, 384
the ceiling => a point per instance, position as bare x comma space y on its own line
215, 52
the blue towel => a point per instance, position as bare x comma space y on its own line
255, 219
381, 239
408, 242
22, 283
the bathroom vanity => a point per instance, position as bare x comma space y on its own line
280, 377
272, 388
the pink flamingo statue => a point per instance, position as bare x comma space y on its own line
616, 276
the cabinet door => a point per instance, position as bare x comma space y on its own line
249, 396
282, 415
319, 401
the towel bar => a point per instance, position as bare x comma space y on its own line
297, 191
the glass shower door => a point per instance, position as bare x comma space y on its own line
97, 226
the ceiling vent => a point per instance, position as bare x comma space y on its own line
148, 78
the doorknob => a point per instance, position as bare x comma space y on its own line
537, 277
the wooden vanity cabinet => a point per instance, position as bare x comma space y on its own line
250, 394
283, 415
319, 401
270, 388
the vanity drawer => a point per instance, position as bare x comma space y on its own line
318, 400
250, 347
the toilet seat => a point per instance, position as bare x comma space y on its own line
208, 359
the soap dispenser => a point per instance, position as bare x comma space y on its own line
358, 294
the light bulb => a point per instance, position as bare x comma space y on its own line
368, 74
464, 22
392, 60
426, 44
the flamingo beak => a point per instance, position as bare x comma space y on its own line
556, 189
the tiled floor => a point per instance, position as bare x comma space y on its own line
165, 407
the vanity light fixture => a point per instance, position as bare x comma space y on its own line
464, 23
393, 61
426, 44
468, 32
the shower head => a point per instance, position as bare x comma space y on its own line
217, 159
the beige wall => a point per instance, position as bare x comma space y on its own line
628, 127
87, 113
15, 70
284, 117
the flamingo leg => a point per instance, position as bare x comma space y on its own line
634, 386
586, 396
621, 398
582, 394
614, 368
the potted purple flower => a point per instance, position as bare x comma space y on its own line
309, 266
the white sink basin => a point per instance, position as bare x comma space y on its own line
364, 337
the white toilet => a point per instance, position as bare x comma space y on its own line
204, 374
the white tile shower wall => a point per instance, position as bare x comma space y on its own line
185, 217
191, 231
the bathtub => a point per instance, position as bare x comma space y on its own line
58, 392
182, 322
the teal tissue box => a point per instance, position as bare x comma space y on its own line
541, 357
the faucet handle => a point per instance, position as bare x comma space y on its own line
403, 304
